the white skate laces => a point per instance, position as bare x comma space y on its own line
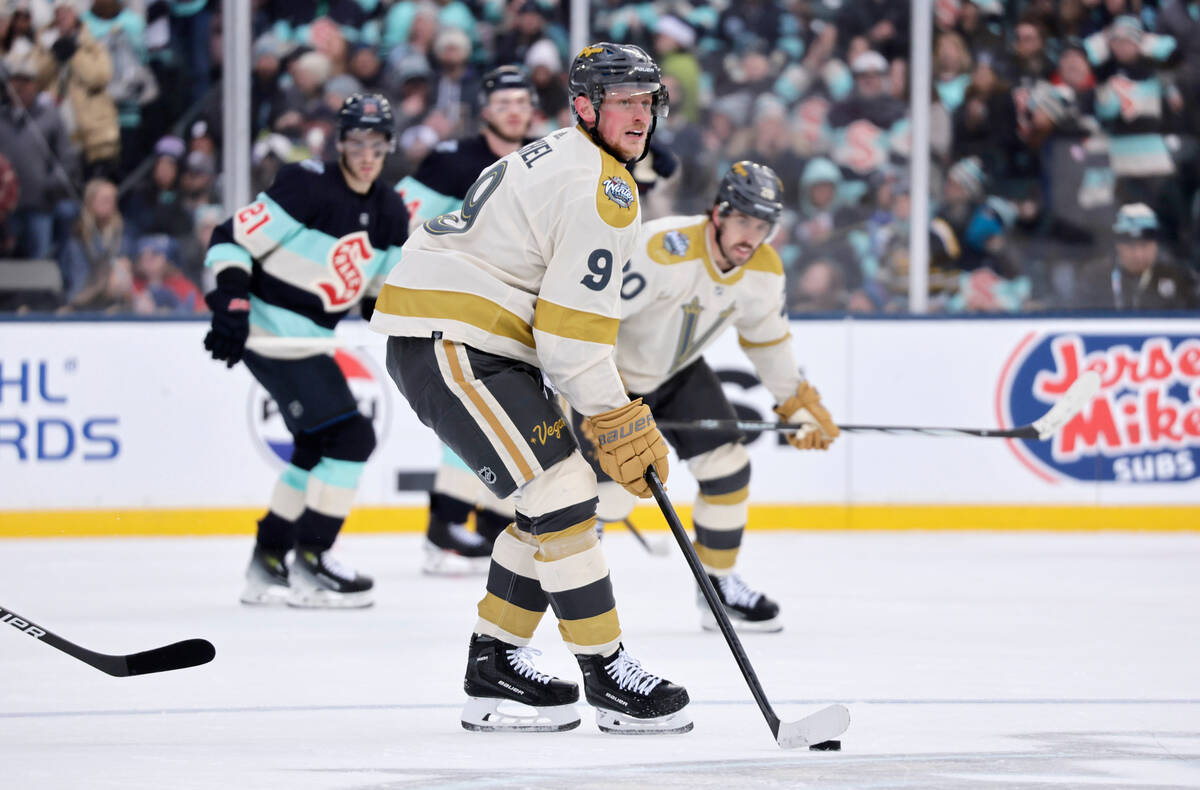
465, 536
630, 676
521, 660
336, 568
737, 593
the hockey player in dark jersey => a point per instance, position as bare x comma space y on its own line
507, 100
288, 267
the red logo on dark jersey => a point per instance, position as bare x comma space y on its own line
349, 256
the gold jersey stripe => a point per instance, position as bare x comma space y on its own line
508, 616
468, 308
591, 631
482, 406
732, 498
744, 343
717, 559
573, 324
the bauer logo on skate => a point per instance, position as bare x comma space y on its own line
1143, 426
368, 384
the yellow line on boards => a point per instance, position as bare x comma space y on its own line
241, 521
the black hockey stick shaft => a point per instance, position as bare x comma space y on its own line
714, 603
636, 534
179, 655
760, 426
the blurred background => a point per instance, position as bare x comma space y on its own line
1063, 166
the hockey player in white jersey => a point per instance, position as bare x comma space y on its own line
689, 280
523, 282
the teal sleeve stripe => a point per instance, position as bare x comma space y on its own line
281, 224
451, 459
282, 322
343, 474
424, 203
227, 253
295, 477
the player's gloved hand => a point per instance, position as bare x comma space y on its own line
627, 443
230, 325
805, 406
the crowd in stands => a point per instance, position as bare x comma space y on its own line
1063, 132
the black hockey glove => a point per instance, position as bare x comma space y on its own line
230, 324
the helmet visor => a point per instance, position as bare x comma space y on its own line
623, 91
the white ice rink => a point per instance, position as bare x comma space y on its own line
967, 660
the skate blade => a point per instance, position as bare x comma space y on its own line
483, 714
741, 625
257, 594
824, 725
300, 598
443, 562
619, 724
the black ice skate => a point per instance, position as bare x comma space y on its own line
748, 610
453, 550
631, 701
319, 581
497, 673
266, 578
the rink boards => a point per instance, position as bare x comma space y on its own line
125, 427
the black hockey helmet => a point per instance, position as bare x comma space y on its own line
506, 78
602, 66
752, 189
370, 111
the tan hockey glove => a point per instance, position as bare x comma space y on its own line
805, 406
627, 443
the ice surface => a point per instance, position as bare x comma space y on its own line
967, 660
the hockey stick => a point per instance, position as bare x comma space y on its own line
315, 344
1071, 403
188, 653
813, 730
657, 548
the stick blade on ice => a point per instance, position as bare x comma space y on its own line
1071, 403
180, 655
824, 725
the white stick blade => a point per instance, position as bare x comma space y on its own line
824, 725
1070, 404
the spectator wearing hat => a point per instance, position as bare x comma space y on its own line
266, 98
863, 124
194, 246
455, 82
308, 74
985, 126
156, 205
545, 67
1141, 274
159, 288
527, 22
674, 44
122, 31
77, 72
34, 140
197, 184
883, 23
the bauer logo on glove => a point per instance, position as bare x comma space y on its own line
627, 443
625, 431
805, 407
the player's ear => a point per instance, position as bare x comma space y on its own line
584, 109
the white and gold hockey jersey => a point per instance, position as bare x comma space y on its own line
529, 267
676, 302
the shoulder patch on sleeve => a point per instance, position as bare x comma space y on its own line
313, 165
676, 245
616, 193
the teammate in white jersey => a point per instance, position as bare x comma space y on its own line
523, 282
690, 279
